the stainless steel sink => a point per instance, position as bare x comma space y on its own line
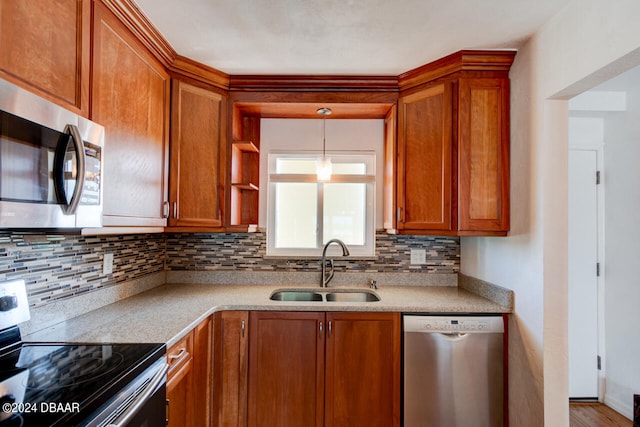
352, 296
293, 295
335, 295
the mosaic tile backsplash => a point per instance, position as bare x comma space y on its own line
57, 266
229, 251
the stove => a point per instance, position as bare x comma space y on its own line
87, 384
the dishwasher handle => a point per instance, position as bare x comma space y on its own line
453, 336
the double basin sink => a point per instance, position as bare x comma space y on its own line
322, 295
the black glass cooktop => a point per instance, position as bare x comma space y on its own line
62, 384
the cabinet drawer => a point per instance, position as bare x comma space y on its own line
179, 354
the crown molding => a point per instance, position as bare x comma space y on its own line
183, 66
305, 83
464, 60
144, 30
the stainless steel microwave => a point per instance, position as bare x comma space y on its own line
50, 164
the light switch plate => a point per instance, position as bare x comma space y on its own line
418, 256
107, 264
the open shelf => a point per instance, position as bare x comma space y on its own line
245, 146
245, 172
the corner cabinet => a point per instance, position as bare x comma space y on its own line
453, 146
45, 48
324, 369
130, 98
198, 127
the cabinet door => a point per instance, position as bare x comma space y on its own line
425, 160
362, 370
483, 155
203, 373
180, 383
286, 386
231, 362
130, 98
196, 172
45, 47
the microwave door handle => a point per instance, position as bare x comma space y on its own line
80, 175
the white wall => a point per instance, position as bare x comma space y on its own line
285, 135
622, 248
583, 45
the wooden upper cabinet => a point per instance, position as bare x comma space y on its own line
45, 48
453, 146
483, 155
425, 159
198, 121
130, 98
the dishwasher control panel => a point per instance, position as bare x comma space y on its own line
448, 324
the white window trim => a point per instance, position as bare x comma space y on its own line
369, 157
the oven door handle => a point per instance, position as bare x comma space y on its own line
158, 378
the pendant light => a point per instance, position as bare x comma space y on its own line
323, 164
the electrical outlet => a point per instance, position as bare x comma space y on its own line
107, 264
418, 256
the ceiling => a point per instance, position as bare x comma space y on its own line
340, 37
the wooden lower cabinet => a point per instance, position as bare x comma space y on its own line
362, 371
317, 369
189, 380
230, 359
286, 362
180, 382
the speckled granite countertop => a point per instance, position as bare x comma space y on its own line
166, 313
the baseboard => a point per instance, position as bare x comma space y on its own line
619, 406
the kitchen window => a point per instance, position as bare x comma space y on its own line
304, 213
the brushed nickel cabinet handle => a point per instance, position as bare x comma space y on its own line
329, 330
242, 327
320, 331
182, 351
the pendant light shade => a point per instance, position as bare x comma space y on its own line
323, 164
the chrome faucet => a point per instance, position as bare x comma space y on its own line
345, 252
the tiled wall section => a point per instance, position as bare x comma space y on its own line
56, 267
227, 251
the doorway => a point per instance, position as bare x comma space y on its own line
583, 271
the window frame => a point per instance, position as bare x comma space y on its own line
369, 179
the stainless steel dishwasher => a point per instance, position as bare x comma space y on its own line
453, 371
